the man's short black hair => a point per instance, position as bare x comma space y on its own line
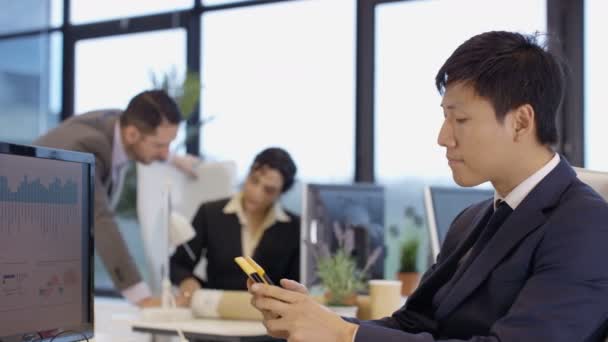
149, 109
278, 159
509, 69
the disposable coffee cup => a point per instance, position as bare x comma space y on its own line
385, 297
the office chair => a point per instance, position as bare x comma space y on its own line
596, 179
215, 180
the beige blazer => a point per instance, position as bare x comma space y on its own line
93, 132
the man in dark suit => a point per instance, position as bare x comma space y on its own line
528, 265
142, 132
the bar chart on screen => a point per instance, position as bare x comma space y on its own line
46, 207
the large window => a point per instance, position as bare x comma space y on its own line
30, 86
40, 14
413, 40
281, 75
109, 72
85, 11
596, 71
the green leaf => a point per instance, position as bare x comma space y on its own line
409, 254
339, 276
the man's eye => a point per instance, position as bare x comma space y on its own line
270, 191
463, 120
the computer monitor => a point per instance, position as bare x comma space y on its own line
443, 204
46, 244
356, 207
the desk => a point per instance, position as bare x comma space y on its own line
208, 329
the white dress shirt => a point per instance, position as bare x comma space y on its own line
120, 163
519, 193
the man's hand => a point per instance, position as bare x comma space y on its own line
149, 302
295, 316
186, 163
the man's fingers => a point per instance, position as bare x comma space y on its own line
277, 328
187, 164
269, 315
270, 304
276, 292
149, 302
265, 313
293, 285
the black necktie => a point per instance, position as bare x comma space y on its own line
495, 221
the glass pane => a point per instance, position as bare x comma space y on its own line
30, 86
596, 54
119, 68
25, 15
408, 116
123, 66
86, 11
271, 78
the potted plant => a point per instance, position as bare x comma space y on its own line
338, 272
340, 278
186, 93
407, 268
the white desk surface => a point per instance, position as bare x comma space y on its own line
220, 327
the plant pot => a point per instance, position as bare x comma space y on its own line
409, 282
345, 311
350, 300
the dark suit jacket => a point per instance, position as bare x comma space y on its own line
94, 133
218, 237
542, 277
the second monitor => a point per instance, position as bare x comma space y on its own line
443, 204
356, 207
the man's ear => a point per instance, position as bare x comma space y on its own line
131, 134
523, 122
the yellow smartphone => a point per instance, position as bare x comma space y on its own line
254, 271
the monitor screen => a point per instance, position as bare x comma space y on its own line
46, 243
443, 204
355, 207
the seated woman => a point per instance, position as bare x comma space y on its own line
251, 223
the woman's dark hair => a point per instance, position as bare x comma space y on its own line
149, 109
510, 70
278, 159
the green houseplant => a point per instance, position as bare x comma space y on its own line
409, 252
186, 91
340, 278
407, 267
338, 272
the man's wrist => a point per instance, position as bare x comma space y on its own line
137, 292
349, 332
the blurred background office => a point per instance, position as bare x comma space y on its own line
346, 86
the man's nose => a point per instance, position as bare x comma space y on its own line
445, 137
164, 154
